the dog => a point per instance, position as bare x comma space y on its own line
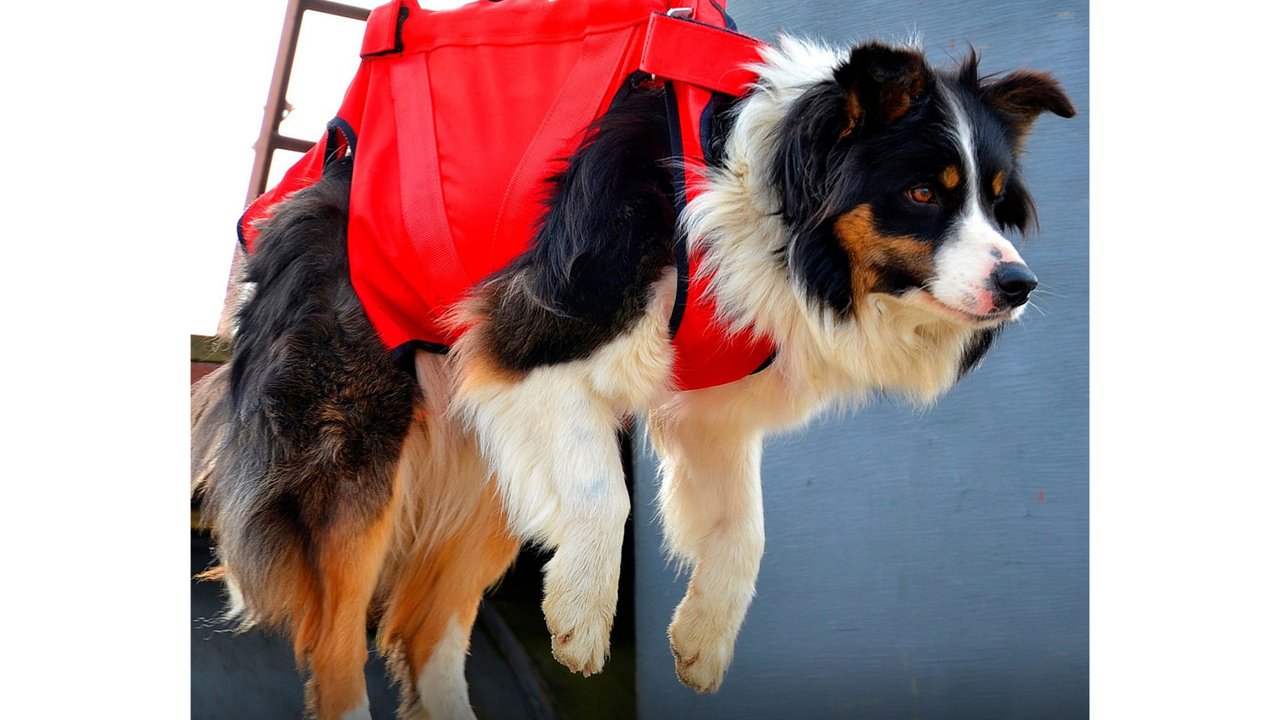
852, 216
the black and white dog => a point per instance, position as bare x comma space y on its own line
854, 217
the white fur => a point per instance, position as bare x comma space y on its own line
236, 612
442, 684
360, 712
965, 262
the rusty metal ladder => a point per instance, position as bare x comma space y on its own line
269, 137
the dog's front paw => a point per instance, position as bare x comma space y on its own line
579, 637
579, 614
702, 650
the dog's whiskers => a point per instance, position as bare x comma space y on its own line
1045, 290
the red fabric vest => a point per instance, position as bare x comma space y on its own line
456, 118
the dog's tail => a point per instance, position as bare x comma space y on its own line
211, 421
295, 441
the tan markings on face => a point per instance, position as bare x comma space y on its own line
997, 183
950, 177
872, 252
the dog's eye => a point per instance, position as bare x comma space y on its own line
923, 194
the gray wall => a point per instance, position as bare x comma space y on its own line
926, 565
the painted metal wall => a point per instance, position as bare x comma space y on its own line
926, 565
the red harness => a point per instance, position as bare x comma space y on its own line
461, 115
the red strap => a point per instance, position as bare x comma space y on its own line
702, 55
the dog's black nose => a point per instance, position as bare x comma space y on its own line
1012, 283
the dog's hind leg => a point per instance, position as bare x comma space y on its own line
332, 635
427, 630
709, 442
454, 545
326, 600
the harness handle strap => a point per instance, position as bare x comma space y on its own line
382, 28
704, 55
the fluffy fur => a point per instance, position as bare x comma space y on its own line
849, 214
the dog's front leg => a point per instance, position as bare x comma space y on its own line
552, 444
547, 425
713, 517
709, 442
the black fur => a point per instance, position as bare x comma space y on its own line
809, 149
979, 344
605, 239
315, 411
1020, 97
717, 123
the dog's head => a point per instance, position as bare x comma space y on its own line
896, 179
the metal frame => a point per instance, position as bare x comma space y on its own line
269, 137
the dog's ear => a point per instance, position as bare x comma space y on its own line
1020, 97
881, 83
